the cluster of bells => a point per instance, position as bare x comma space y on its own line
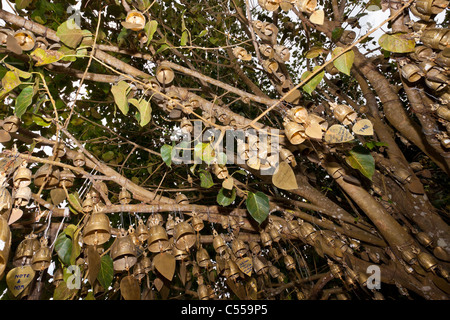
429, 64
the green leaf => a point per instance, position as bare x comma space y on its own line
119, 92
62, 292
226, 197
145, 111
311, 85
397, 42
184, 38
314, 52
166, 154
76, 248
240, 171
337, 33
258, 206
70, 33
150, 29
44, 57
40, 121
206, 180
359, 158
344, 62
106, 272
22, 4
23, 101
63, 247
203, 33
9, 81
20, 73
108, 156
74, 200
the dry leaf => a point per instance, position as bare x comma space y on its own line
317, 17
338, 134
16, 214
165, 264
314, 131
94, 263
129, 288
363, 127
19, 278
284, 177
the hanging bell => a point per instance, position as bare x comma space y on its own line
123, 252
271, 66
409, 255
22, 196
306, 230
184, 235
181, 199
431, 7
254, 247
137, 19
427, 261
295, 132
239, 248
26, 250
424, 239
158, 240
124, 196
59, 150
287, 156
202, 257
47, 175
307, 6
275, 273
233, 272
343, 113
155, 219
293, 227
5, 244
289, 261
25, 39
220, 171
186, 125
170, 225
11, 124
97, 230
66, 178
219, 243
22, 176
4, 36
411, 72
203, 292
80, 159
443, 58
298, 114
282, 52
139, 271
164, 75
179, 255
267, 51
42, 258
269, 5
147, 264
133, 236
88, 204
436, 38
266, 239
142, 231
6, 203
58, 277
274, 234
260, 265
196, 222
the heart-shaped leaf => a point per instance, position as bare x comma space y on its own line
284, 177
70, 33
317, 17
311, 85
344, 62
245, 265
44, 57
19, 278
165, 264
360, 158
94, 264
57, 195
119, 92
23, 101
338, 134
129, 288
226, 197
397, 42
15, 215
63, 247
363, 127
106, 272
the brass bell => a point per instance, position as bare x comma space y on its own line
275, 273
22, 176
5, 241
170, 225
184, 235
427, 261
298, 114
443, 58
270, 66
202, 257
411, 72
233, 223
133, 236
335, 270
158, 240
58, 276
282, 52
219, 243
295, 132
239, 248
25, 250
266, 239
220, 171
155, 219
6, 203
47, 175
409, 255
436, 38
181, 199
139, 271
80, 159
88, 204
147, 264
42, 258
196, 222
287, 156
431, 7
424, 239
177, 253
306, 230
164, 75
267, 51
293, 227
289, 261
142, 231
97, 230
11, 124
306, 5
254, 247
123, 252
343, 113
22, 196
25, 39
186, 125
136, 18
59, 150
273, 253
124, 196
4, 36
203, 292
269, 5
233, 270
66, 178
274, 234
260, 265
